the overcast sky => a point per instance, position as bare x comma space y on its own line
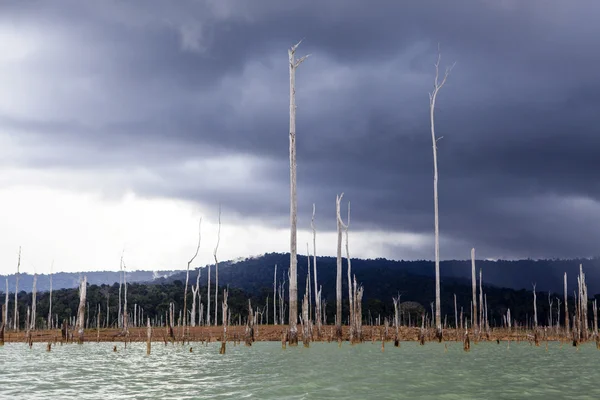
123, 122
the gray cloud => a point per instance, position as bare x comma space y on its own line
126, 87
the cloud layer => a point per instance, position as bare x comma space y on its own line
189, 102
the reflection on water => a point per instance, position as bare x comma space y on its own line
323, 371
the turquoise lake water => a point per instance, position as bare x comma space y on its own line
323, 371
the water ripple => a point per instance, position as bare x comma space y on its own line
323, 371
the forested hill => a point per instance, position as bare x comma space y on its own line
379, 276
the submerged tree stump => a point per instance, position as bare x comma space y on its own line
467, 343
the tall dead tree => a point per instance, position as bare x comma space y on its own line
208, 319
567, 326
187, 278
33, 302
194, 298
125, 312
308, 284
481, 316
474, 324
275, 296
595, 311
396, 301
349, 270
249, 335
316, 291
225, 323
357, 304
120, 316
3, 324
5, 313
50, 299
16, 314
148, 337
338, 281
455, 314
432, 98
217, 270
81, 309
293, 287
535, 321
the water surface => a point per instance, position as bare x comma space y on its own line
323, 371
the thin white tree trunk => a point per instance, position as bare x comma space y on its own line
338, 281
567, 326
317, 292
350, 287
50, 300
148, 337
275, 296
535, 321
309, 283
81, 308
195, 290
455, 314
120, 316
33, 302
125, 312
5, 314
432, 98
187, 278
293, 288
217, 271
16, 314
208, 319
481, 317
474, 287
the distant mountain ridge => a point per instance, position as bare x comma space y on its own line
254, 274
67, 280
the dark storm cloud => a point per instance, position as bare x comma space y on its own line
207, 78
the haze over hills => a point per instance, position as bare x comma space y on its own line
377, 275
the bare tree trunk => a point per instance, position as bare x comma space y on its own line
566, 306
455, 314
81, 309
249, 336
208, 319
5, 312
317, 292
50, 300
275, 296
350, 287
358, 295
396, 301
217, 271
595, 310
120, 316
293, 289
16, 314
481, 325
584, 304
125, 312
195, 290
305, 318
3, 325
535, 321
474, 286
338, 282
33, 302
187, 278
225, 323
432, 98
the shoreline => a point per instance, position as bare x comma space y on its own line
274, 333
